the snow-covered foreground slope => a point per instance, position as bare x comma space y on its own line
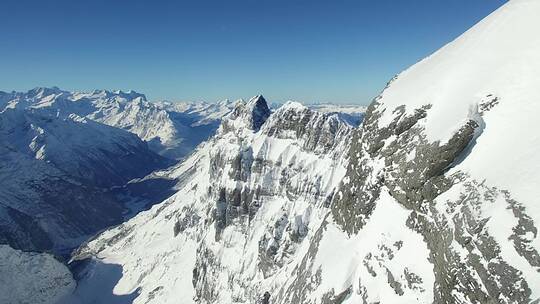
171, 129
433, 199
32, 278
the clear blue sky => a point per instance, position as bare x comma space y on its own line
311, 51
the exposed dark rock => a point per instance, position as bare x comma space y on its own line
254, 113
413, 171
266, 298
396, 286
318, 132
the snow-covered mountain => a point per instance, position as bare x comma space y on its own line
171, 129
256, 181
433, 199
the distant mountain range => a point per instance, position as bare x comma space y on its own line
172, 130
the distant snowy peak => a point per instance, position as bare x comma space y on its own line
352, 114
292, 105
41, 92
118, 95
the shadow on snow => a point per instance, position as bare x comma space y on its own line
95, 284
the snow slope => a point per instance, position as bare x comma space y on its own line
454, 140
496, 62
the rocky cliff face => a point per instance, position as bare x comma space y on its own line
256, 190
428, 211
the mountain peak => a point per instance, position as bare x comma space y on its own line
44, 91
258, 108
128, 95
253, 113
293, 105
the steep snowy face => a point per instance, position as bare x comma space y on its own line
55, 177
439, 203
171, 129
250, 201
29, 277
488, 75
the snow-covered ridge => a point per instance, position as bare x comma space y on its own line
452, 139
498, 57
